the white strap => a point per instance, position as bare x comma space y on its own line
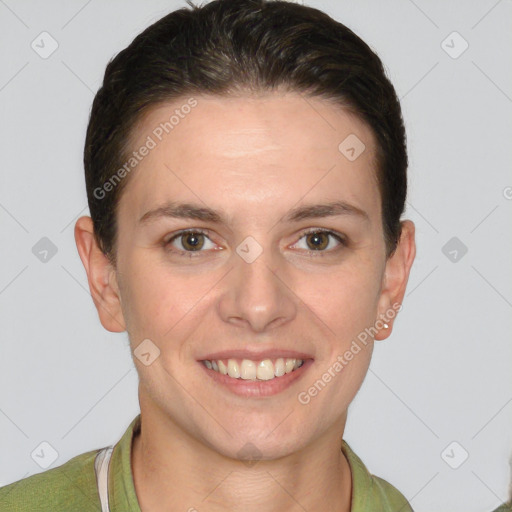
101, 465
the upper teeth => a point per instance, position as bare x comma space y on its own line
251, 370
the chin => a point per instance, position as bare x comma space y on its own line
253, 444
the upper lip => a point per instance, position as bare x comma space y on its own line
256, 355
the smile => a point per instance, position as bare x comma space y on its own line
255, 373
247, 369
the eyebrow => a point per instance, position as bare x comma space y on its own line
197, 212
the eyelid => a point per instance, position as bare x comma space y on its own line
184, 231
307, 231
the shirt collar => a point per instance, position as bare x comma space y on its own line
122, 494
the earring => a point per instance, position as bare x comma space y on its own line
386, 326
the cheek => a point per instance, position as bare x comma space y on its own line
346, 299
347, 304
155, 298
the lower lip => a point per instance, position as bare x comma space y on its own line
258, 388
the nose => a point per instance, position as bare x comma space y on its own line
257, 294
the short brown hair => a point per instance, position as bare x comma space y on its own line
231, 46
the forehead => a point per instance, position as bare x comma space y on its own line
259, 149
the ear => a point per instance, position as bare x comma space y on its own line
101, 276
396, 275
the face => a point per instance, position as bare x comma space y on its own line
260, 274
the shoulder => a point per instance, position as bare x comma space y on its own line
370, 492
387, 496
506, 507
70, 486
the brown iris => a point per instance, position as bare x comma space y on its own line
316, 239
192, 241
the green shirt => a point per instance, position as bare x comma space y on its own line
506, 507
72, 486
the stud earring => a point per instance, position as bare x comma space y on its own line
386, 326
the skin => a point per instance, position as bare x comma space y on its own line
254, 158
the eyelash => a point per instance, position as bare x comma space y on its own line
192, 254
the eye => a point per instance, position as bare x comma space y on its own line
190, 241
317, 240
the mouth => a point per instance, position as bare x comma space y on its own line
256, 377
247, 369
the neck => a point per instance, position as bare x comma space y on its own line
173, 471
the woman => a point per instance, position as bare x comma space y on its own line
245, 166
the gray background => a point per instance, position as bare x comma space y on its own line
443, 376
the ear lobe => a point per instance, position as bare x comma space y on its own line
398, 267
101, 277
